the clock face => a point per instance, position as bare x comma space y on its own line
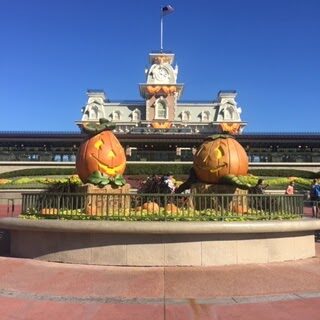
161, 74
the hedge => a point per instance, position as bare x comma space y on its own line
284, 173
159, 169
39, 172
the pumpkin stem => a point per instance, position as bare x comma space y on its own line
94, 128
219, 136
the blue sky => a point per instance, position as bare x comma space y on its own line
54, 50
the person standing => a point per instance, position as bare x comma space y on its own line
290, 188
314, 197
168, 183
258, 202
259, 187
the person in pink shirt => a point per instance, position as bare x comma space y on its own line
290, 188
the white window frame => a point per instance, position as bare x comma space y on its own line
116, 115
185, 117
163, 104
205, 116
228, 113
136, 115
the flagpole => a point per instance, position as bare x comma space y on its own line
161, 30
164, 11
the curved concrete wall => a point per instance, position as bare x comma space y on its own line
161, 243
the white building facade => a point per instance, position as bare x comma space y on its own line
160, 110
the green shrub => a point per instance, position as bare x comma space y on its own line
150, 168
283, 173
38, 172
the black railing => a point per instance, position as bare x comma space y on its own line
162, 207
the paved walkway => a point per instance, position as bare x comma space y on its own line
31, 289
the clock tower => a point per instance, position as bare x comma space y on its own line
161, 90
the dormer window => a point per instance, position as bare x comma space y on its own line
94, 113
116, 115
136, 115
205, 116
185, 116
228, 113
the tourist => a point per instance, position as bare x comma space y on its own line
315, 197
257, 202
290, 188
259, 187
170, 182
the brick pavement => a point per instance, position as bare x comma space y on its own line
31, 289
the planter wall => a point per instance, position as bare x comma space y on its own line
161, 243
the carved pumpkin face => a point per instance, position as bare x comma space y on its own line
218, 157
102, 152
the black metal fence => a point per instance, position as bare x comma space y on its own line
162, 207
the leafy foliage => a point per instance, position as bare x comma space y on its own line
69, 185
150, 168
101, 181
284, 173
38, 172
163, 215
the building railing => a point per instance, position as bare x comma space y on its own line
162, 207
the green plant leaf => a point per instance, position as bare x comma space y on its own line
95, 178
119, 180
105, 181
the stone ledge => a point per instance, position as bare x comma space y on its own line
161, 243
158, 227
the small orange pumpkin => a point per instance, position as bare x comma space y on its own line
151, 207
101, 152
171, 208
239, 208
218, 156
53, 211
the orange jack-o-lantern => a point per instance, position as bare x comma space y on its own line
219, 156
101, 152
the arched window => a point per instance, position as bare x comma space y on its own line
185, 116
116, 115
161, 110
85, 116
205, 116
93, 113
136, 115
228, 113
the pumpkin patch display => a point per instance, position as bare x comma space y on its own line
100, 154
218, 156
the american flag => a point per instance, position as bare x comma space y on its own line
167, 9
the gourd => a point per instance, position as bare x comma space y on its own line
219, 156
100, 153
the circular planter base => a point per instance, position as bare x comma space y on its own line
161, 243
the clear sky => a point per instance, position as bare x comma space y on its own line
52, 51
